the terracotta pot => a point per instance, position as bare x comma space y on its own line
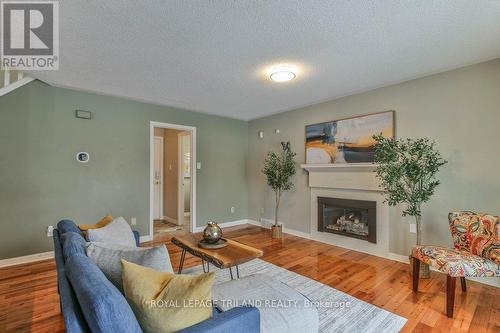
425, 272
276, 231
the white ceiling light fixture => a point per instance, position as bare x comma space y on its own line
283, 73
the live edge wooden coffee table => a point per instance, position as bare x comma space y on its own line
234, 254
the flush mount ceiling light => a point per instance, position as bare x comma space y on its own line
282, 73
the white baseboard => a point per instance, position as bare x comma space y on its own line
399, 257
225, 224
169, 219
26, 259
45, 255
266, 223
145, 238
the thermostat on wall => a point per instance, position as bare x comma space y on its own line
83, 157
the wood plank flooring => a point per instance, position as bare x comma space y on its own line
29, 301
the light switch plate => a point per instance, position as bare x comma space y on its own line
413, 228
198, 165
133, 221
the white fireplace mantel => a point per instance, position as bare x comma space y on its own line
343, 176
339, 166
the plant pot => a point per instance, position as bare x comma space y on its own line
276, 231
425, 272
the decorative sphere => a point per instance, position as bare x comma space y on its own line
212, 233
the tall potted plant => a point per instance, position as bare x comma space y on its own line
279, 169
407, 171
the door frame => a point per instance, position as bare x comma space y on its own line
180, 180
162, 178
192, 129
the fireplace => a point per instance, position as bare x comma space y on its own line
351, 218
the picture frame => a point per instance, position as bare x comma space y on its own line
347, 140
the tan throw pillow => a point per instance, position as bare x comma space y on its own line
103, 222
166, 302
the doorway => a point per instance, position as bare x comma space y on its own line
172, 178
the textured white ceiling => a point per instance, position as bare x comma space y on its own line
210, 56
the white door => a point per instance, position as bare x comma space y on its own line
158, 178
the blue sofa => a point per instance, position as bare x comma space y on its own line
91, 303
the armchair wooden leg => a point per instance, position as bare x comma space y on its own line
464, 285
416, 272
450, 295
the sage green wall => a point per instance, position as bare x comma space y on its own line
459, 109
41, 182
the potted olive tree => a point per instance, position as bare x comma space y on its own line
279, 169
407, 171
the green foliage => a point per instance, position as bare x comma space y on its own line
407, 170
279, 169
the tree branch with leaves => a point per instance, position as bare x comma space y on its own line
279, 169
407, 171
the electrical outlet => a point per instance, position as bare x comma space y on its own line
233, 210
133, 221
50, 231
262, 210
413, 228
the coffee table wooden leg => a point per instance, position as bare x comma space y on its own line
181, 264
237, 272
231, 272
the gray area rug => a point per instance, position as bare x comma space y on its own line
351, 314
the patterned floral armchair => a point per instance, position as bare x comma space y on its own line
477, 252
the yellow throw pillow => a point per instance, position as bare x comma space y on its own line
103, 222
166, 302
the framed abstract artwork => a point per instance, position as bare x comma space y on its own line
347, 140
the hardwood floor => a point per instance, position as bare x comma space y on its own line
29, 299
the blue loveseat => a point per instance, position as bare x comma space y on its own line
91, 303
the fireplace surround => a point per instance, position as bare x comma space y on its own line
349, 182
